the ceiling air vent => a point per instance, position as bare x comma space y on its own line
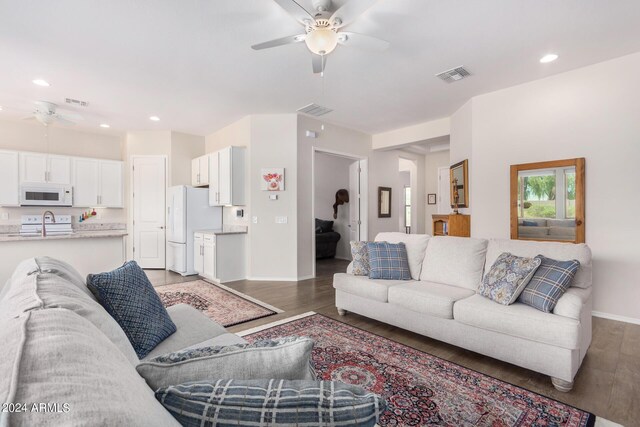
314, 110
76, 102
454, 74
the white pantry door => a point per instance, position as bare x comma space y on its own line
149, 188
444, 191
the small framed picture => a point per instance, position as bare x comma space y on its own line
431, 199
272, 179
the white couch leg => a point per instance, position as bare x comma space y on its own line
562, 385
342, 312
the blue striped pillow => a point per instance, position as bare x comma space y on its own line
549, 283
388, 261
271, 403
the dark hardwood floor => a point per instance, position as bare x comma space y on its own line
608, 383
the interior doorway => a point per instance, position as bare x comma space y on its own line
408, 172
148, 194
444, 191
337, 177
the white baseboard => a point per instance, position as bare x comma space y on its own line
272, 279
616, 317
301, 278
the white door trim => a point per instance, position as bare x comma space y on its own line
130, 197
363, 212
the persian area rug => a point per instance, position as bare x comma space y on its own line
420, 389
218, 302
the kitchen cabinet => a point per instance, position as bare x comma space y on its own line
200, 171
45, 168
219, 257
10, 178
227, 177
97, 183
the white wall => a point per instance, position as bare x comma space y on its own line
331, 174
591, 112
184, 148
432, 162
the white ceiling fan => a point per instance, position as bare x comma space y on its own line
47, 113
323, 30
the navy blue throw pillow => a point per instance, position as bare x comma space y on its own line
529, 223
128, 296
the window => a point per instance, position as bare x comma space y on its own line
570, 193
538, 194
407, 209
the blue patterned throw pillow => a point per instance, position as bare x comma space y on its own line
507, 278
130, 299
549, 283
271, 403
388, 261
360, 256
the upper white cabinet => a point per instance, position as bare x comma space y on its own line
97, 183
200, 171
10, 178
40, 168
226, 177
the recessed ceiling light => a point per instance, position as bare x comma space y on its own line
154, 118
41, 82
548, 58
104, 125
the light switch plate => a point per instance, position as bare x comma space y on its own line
4, 216
254, 219
273, 197
281, 220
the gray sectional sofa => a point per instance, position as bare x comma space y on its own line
441, 302
61, 349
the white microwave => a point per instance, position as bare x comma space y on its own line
46, 195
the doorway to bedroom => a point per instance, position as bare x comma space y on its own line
339, 209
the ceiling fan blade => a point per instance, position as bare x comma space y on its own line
361, 41
69, 115
319, 63
294, 9
279, 42
349, 12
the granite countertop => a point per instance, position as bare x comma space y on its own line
88, 234
226, 229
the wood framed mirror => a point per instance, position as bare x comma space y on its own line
547, 201
384, 202
459, 181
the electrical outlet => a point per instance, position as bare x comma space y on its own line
254, 219
281, 220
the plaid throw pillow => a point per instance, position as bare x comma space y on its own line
360, 255
388, 261
551, 281
271, 403
130, 299
507, 278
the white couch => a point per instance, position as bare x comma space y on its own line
441, 302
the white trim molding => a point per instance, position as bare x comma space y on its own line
616, 317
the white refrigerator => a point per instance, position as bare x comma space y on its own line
188, 210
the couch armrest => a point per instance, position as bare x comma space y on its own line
350, 268
572, 302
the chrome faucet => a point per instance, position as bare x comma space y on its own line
44, 224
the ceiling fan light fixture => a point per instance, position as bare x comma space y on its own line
321, 41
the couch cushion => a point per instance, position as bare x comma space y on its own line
388, 261
271, 402
192, 328
375, 289
518, 320
128, 296
416, 245
430, 298
54, 356
360, 255
46, 283
507, 278
549, 283
456, 261
286, 358
555, 250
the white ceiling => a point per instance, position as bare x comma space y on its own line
190, 63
